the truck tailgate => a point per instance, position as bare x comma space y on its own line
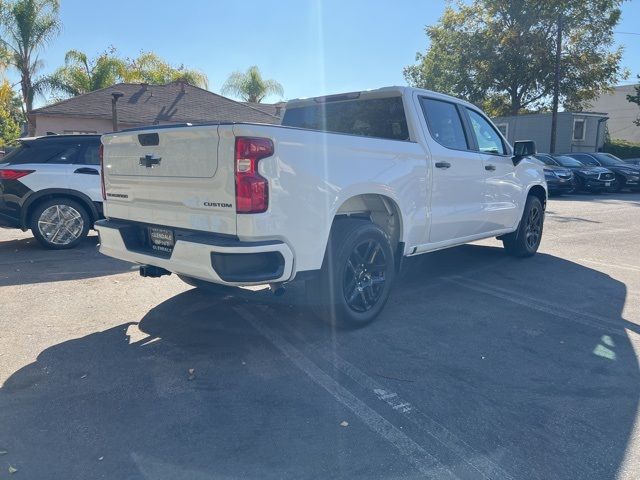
172, 177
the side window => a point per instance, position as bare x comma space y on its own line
504, 129
488, 139
41, 152
445, 124
65, 153
91, 154
586, 159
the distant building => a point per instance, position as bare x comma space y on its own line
622, 113
577, 131
141, 105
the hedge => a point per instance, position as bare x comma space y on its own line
622, 148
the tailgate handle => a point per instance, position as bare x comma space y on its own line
149, 139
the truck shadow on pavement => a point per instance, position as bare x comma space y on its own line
494, 367
24, 261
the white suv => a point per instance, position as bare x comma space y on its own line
51, 185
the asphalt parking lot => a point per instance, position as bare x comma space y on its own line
481, 366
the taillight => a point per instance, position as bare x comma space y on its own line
10, 174
101, 153
252, 190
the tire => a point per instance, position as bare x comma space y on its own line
60, 223
617, 185
356, 276
209, 287
524, 242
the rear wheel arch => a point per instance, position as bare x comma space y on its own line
44, 195
380, 210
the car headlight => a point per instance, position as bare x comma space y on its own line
549, 174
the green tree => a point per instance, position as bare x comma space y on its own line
10, 114
250, 86
150, 68
636, 99
28, 26
80, 75
500, 53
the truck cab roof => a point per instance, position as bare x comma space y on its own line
382, 92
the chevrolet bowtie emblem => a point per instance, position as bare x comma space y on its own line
149, 161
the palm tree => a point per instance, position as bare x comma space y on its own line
250, 86
81, 75
150, 68
28, 26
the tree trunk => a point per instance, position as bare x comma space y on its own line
556, 89
27, 98
515, 105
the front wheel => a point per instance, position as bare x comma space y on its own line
356, 275
616, 186
524, 242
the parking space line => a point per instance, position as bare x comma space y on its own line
416, 454
474, 459
466, 453
534, 303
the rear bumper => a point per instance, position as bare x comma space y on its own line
202, 255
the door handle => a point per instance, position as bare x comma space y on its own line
443, 164
491, 168
87, 171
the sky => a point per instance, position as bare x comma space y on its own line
312, 47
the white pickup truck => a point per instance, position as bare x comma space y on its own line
337, 195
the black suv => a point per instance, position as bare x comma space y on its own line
559, 179
587, 178
626, 175
51, 185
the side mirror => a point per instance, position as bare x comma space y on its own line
523, 148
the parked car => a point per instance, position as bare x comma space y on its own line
626, 176
632, 161
559, 179
51, 185
587, 178
338, 195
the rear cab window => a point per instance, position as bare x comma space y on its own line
366, 117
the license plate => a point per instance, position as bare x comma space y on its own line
607, 184
161, 239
